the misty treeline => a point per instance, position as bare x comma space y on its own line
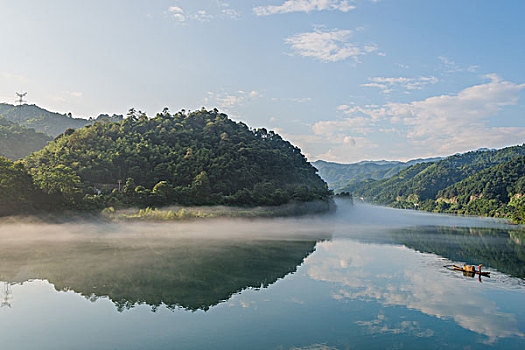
17, 142
486, 183
197, 158
49, 123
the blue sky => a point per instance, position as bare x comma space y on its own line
344, 80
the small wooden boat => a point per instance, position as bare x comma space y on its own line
468, 270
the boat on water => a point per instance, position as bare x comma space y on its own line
468, 270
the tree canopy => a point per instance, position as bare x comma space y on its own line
17, 142
201, 157
17, 192
488, 183
50, 123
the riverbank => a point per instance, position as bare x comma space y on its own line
177, 213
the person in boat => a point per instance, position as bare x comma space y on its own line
471, 268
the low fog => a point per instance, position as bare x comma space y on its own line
186, 263
348, 220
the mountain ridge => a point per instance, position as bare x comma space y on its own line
340, 175
448, 185
45, 121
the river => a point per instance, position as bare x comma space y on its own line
363, 277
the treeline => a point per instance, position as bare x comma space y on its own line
17, 142
486, 183
340, 176
18, 193
44, 121
198, 158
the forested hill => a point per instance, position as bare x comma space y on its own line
17, 142
486, 183
42, 120
197, 158
339, 176
497, 191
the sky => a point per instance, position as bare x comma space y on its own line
345, 80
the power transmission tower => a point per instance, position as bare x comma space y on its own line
20, 100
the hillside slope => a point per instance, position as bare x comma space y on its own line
17, 142
493, 191
42, 120
339, 176
420, 186
17, 191
198, 158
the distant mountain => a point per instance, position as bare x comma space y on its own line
488, 183
338, 176
50, 123
17, 142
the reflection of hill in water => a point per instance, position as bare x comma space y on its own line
193, 274
502, 250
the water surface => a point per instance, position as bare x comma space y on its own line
366, 277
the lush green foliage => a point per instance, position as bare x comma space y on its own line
17, 192
340, 176
17, 142
197, 158
42, 120
494, 192
488, 183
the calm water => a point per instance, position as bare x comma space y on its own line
365, 277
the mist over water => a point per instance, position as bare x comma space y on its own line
364, 276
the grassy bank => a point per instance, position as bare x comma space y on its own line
175, 213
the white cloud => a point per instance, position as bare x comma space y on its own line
202, 16
348, 148
450, 66
175, 9
328, 45
232, 13
304, 6
222, 10
446, 123
229, 101
177, 13
335, 128
387, 84
227, 11
74, 93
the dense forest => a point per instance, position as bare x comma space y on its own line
198, 158
18, 194
488, 183
339, 176
17, 142
50, 123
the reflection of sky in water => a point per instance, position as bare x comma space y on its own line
346, 294
401, 277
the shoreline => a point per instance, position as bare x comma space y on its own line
501, 220
184, 213
176, 213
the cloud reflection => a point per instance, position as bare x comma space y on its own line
376, 273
